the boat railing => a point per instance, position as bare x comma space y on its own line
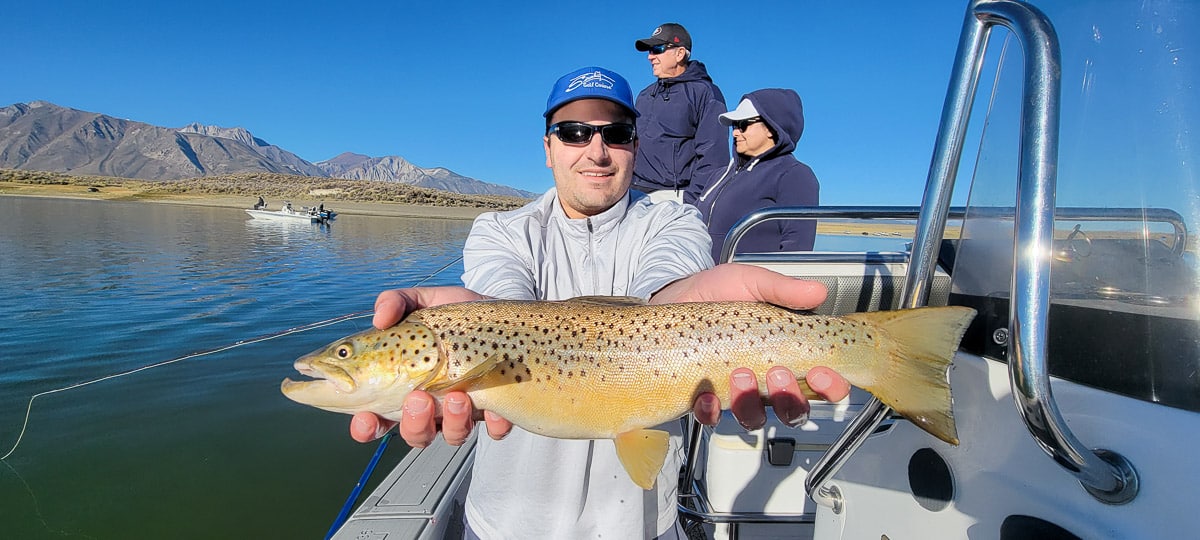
1179, 232
693, 491
1104, 474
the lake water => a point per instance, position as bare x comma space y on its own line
206, 447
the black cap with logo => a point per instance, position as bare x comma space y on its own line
672, 33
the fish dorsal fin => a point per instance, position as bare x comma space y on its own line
476, 371
617, 301
642, 452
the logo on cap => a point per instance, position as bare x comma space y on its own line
594, 79
657, 31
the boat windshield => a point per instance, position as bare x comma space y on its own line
1124, 274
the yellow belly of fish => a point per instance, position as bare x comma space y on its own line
604, 392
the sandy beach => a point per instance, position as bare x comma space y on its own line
126, 193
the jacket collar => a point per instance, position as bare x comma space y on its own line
602, 222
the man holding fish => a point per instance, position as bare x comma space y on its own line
588, 236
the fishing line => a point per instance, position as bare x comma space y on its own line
251, 341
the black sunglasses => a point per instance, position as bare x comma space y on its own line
741, 125
581, 133
662, 48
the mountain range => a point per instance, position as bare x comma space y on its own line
43, 136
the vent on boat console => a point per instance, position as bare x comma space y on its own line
930, 480
1032, 528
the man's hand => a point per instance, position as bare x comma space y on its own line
743, 282
739, 282
421, 415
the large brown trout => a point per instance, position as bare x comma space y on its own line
609, 368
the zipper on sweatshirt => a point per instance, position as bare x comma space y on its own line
712, 190
592, 254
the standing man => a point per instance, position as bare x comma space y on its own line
588, 235
681, 141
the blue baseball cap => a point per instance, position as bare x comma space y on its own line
590, 82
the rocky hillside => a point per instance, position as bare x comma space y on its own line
42, 136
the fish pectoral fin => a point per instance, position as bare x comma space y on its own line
642, 452
443, 382
615, 301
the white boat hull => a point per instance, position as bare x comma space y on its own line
283, 215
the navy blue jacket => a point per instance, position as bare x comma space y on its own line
680, 138
774, 178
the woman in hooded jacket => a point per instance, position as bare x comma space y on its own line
763, 173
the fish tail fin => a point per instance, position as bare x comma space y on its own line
643, 453
915, 381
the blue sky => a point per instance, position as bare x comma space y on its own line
462, 85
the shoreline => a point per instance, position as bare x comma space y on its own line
348, 208
362, 208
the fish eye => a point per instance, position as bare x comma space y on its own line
344, 351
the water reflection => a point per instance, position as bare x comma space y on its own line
94, 288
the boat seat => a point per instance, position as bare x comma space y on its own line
857, 281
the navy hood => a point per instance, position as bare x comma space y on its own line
783, 111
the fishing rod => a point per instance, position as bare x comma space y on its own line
234, 345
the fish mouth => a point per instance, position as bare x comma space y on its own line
322, 376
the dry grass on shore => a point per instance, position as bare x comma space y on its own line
348, 197
238, 190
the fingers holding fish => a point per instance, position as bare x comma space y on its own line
788, 402
744, 399
367, 426
420, 422
707, 409
393, 305
417, 424
497, 426
827, 383
457, 420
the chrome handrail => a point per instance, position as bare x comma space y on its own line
1104, 474
742, 226
1139, 215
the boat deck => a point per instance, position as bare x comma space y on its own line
407, 504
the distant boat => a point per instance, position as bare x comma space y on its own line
287, 213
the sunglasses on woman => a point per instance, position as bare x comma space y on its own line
741, 125
581, 133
